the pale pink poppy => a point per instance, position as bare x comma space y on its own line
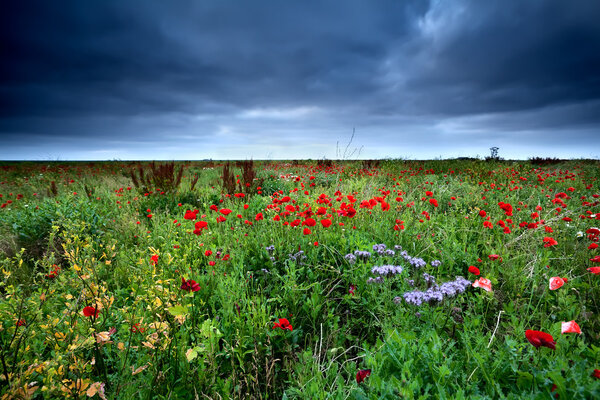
556, 282
483, 283
570, 327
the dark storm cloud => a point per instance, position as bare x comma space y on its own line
478, 56
142, 71
137, 57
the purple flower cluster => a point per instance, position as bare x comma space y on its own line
435, 293
414, 261
429, 279
383, 251
362, 255
385, 270
379, 248
299, 256
436, 263
351, 258
417, 262
452, 288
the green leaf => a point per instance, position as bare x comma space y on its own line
192, 353
177, 310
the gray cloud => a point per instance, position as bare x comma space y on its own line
266, 76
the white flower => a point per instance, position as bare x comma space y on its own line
579, 234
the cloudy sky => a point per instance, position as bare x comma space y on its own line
142, 79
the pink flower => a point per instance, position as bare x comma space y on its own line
483, 283
570, 327
556, 282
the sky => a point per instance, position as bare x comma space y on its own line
214, 79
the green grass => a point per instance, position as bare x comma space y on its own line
153, 340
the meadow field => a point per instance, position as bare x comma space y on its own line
447, 279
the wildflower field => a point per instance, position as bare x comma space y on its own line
300, 280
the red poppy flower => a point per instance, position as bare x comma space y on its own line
548, 241
493, 257
189, 285
507, 208
225, 211
474, 270
351, 212
594, 270
595, 259
283, 324
191, 215
433, 202
54, 273
570, 327
90, 311
482, 213
593, 246
208, 253
306, 231
154, 259
21, 322
326, 223
538, 339
556, 282
596, 373
309, 222
201, 225
362, 374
